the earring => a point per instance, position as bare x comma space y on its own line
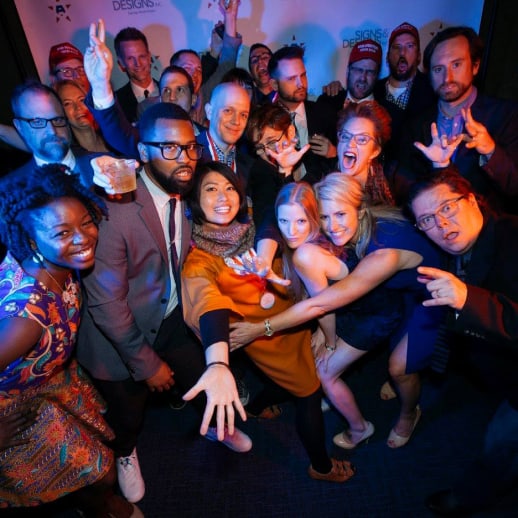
36, 256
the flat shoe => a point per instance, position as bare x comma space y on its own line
395, 440
341, 471
343, 439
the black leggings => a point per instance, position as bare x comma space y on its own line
310, 427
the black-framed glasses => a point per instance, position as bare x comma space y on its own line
172, 150
361, 139
40, 122
447, 210
70, 72
271, 145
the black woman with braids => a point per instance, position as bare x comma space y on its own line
52, 436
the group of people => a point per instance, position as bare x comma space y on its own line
296, 235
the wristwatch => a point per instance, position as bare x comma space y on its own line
268, 331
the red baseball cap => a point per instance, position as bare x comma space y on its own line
366, 49
404, 28
63, 52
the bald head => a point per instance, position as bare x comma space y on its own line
227, 113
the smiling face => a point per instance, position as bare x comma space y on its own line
192, 64
258, 65
173, 176
458, 233
228, 114
354, 158
294, 224
451, 70
338, 220
73, 100
219, 200
135, 60
275, 140
65, 234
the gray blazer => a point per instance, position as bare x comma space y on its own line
127, 291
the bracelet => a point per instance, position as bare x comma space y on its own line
218, 363
330, 348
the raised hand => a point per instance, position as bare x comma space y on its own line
98, 61
322, 146
479, 138
441, 149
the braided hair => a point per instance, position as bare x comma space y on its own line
39, 187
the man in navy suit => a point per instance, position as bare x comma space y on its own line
134, 59
315, 122
477, 133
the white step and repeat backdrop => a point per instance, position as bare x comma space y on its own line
326, 28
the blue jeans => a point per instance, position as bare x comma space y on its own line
495, 470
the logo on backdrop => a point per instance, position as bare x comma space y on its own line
379, 35
135, 6
60, 10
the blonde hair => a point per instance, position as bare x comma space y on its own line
342, 189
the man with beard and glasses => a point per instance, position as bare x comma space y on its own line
40, 120
315, 123
362, 73
406, 91
133, 339
477, 133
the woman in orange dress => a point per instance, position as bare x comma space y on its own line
217, 290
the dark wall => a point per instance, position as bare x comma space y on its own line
17, 65
498, 29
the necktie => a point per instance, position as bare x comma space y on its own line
172, 233
146, 93
293, 116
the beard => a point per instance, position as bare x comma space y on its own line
403, 75
170, 182
452, 91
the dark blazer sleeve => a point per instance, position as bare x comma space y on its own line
128, 101
115, 127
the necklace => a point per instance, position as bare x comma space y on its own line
68, 294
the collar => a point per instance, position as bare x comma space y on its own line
451, 112
350, 98
160, 197
69, 161
138, 91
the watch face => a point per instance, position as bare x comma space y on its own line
268, 331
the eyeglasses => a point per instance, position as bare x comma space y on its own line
361, 139
271, 145
70, 72
172, 150
40, 122
261, 57
361, 71
447, 210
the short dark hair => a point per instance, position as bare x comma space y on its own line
161, 110
258, 46
476, 45
31, 86
40, 186
449, 176
176, 56
128, 34
218, 167
289, 52
240, 76
173, 69
268, 115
